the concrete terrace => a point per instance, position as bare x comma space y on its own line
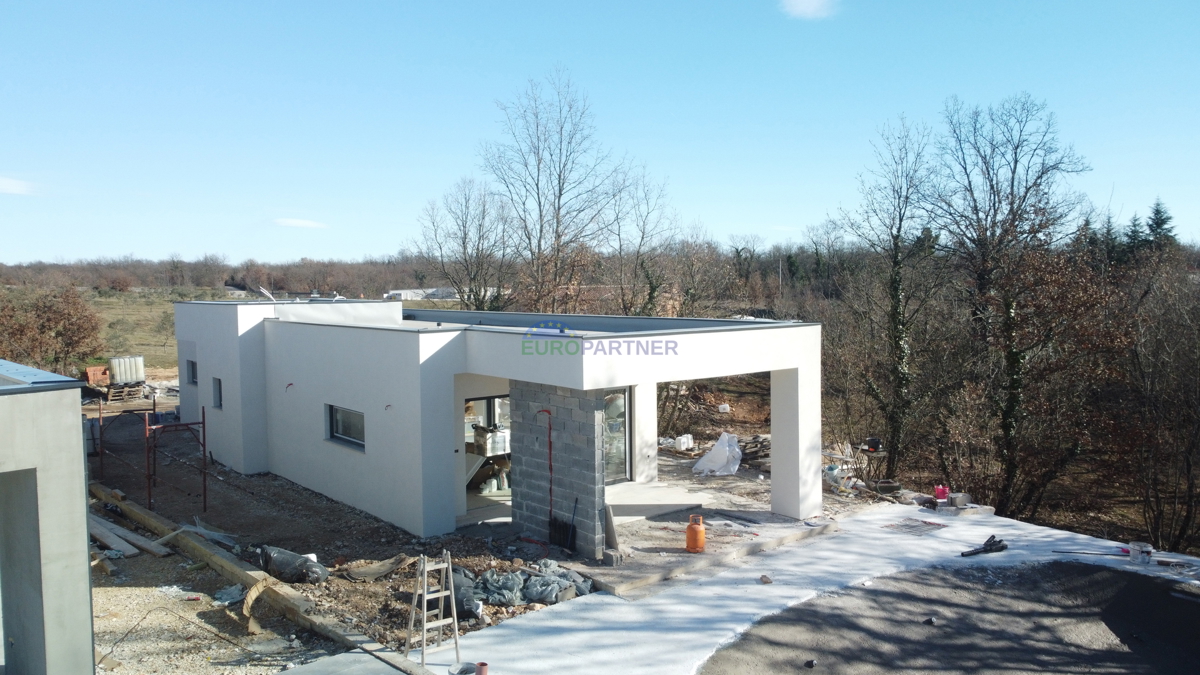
675, 631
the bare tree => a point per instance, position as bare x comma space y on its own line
556, 181
466, 242
210, 271
1000, 205
637, 230
999, 188
892, 223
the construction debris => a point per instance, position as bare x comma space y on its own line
134, 538
106, 537
373, 571
992, 545
288, 567
722, 460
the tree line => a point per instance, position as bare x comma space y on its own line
999, 332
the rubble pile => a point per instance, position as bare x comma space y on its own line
756, 452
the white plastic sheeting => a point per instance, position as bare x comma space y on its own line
722, 460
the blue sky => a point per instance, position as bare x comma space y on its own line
156, 128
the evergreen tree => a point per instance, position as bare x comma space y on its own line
1158, 226
1136, 238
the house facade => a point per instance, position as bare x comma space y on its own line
399, 412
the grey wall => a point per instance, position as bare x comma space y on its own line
21, 573
46, 583
578, 465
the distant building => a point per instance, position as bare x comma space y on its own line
422, 294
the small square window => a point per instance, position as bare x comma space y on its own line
347, 426
218, 398
193, 373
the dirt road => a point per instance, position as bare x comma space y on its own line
1049, 618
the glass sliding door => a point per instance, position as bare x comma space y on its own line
615, 439
485, 425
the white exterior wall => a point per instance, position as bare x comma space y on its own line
644, 432
466, 386
226, 341
442, 355
45, 582
375, 372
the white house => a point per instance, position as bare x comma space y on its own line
45, 583
373, 404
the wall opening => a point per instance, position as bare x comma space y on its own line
21, 574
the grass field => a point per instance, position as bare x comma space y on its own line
142, 322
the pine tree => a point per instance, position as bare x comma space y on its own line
1136, 238
1158, 226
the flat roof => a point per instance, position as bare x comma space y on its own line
18, 379
458, 319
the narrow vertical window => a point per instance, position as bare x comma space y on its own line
217, 396
193, 374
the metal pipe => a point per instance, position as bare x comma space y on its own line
204, 451
100, 417
146, 442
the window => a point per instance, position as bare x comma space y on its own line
218, 399
193, 374
492, 414
347, 426
615, 442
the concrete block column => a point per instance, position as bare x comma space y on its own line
578, 465
796, 441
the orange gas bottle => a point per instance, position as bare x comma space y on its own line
695, 535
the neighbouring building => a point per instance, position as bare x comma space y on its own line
400, 411
45, 582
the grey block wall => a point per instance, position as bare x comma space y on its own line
577, 418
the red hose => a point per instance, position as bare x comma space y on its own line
545, 547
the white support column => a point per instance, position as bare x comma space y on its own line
796, 440
644, 434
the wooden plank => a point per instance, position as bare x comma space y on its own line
98, 558
109, 538
133, 537
283, 597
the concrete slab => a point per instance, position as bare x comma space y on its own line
674, 632
636, 501
350, 663
654, 548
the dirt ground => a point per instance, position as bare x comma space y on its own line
144, 619
151, 630
262, 509
1048, 618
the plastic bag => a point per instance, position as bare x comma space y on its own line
583, 586
545, 589
289, 567
501, 589
722, 460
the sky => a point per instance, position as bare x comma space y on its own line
281, 130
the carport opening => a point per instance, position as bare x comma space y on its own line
694, 407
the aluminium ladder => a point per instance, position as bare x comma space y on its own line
443, 593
